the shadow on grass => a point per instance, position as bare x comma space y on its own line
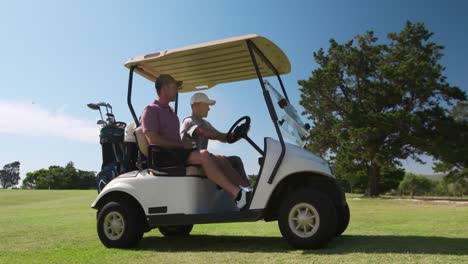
341, 245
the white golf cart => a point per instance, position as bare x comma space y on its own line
294, 186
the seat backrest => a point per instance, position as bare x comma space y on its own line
141, 141
130, 133
143, 146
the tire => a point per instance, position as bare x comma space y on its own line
318, 216
175, 231
119, 225
343, 216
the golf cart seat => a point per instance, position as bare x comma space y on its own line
165, 162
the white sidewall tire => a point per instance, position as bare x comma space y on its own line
319, 230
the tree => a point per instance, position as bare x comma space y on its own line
56, 177
356, 178
460, 112
453, 151
456, 180
9, 176
252, 179
375, 104
390, 178
413, 184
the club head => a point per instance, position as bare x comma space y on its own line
93, 106
101, 122
102, 104
110, 118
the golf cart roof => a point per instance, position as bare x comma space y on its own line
205, 65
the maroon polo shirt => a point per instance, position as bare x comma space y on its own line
160, 118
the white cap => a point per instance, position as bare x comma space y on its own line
201, 98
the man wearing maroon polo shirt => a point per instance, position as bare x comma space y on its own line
160, 126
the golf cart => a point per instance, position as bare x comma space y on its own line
155, 190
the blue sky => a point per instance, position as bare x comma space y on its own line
58, 56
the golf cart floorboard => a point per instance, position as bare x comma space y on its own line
185, 219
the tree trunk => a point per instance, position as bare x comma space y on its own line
372, 175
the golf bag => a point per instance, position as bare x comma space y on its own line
113, 162
117, 157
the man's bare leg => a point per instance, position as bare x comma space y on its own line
229, 171
213, 172
237, 165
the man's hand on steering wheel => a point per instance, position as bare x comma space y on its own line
238, 130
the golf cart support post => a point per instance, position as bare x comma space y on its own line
253, 50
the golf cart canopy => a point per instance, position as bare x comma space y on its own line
205, 65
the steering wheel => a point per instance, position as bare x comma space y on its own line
238, 130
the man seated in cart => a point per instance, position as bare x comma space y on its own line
198, 130
160, 126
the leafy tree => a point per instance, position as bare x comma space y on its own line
252, 179
56, 177
9, 176
413, 184
30, 182
374, 104
86, 179
354, 179
390, 178
455, 183
453, 151
351, 176
460, 111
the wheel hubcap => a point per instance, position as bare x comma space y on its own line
114, 225
304, 220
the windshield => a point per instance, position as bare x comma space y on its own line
288, 119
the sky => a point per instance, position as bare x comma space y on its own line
60, 55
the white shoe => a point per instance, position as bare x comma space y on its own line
245, 197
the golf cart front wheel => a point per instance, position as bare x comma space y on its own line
174, 231
118, 225
343, 216
307, 219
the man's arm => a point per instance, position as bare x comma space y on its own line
210, 134
154, 138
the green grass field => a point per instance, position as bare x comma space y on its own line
59, 227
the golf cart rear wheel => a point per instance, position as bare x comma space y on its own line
343, 216
307, 219
174, 231
118, 225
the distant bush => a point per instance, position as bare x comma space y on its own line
413, 184
449, 187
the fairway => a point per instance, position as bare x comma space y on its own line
60, 227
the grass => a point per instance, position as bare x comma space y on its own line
59, 227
